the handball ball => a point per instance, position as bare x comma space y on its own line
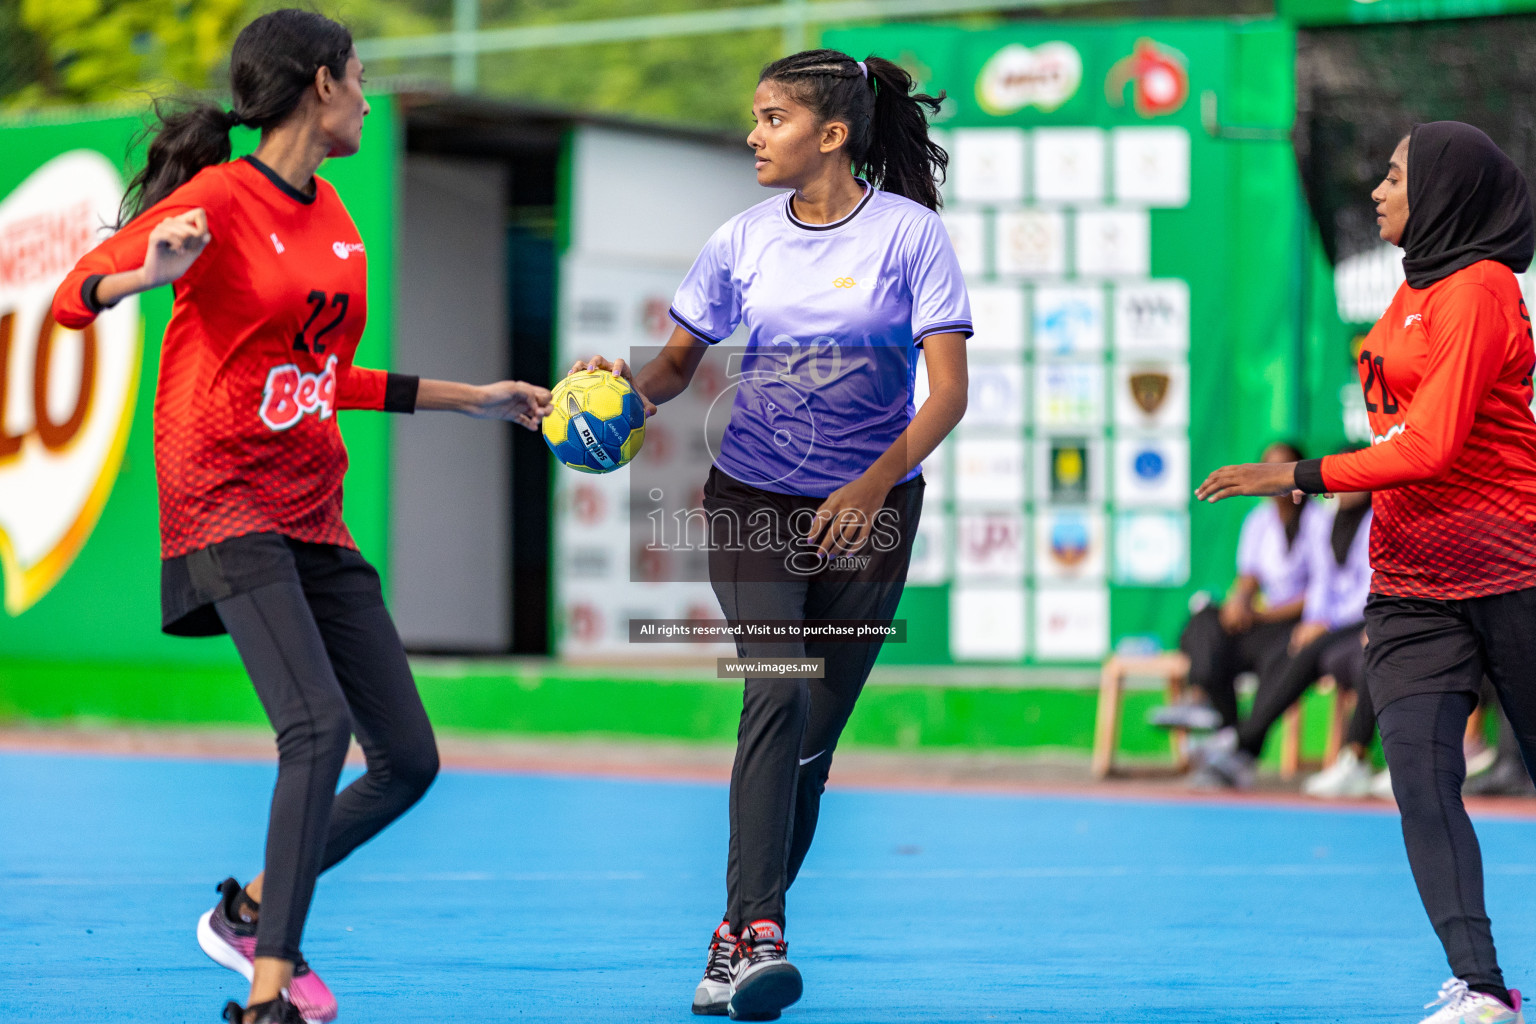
598, 423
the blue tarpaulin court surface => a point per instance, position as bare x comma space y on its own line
560, 898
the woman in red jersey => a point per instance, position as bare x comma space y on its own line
270, 288
1447, 379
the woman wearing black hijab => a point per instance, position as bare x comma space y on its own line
1447, 379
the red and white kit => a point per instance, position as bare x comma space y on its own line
253, 372
1447, 378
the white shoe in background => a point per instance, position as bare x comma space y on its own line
1346, 779
1381, 786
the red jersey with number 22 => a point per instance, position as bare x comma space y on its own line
256, 360
1447, 379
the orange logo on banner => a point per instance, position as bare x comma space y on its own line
66, 397
1160, 83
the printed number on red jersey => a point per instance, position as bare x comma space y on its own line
291, 394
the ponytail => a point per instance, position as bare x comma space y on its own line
181, 143
272, 65
888, 141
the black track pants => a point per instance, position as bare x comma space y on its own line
326, 662
1424, 667
1217, 658
790, 727
1286, 686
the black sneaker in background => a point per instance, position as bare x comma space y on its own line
277, 1011
1507, 777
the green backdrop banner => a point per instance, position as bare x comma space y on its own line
104, 604
1125, 201
1345, 12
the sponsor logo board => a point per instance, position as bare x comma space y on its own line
66, 397
1018, 76
987, 623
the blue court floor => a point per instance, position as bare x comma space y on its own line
536, 898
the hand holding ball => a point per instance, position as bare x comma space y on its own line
597, 424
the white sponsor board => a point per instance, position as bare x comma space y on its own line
990, 545
989, 470
989, 164
1114, 243
1151, 470
1068, 320
1071, 624
1152, 318
1031, 243
1152, 548
1151, 166
1069, 165
1070, 545
997, 314
987, 623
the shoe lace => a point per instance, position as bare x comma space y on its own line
760, 949
719, 966
1452, 994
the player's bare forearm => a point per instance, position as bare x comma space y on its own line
115, 287
669, 374
948, 387
1252, 480
513, 400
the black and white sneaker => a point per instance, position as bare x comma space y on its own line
763, 981
276, 1011
713, 996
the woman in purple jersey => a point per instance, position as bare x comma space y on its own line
814, 497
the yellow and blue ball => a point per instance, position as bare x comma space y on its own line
598, 423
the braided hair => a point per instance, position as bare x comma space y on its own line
887, 126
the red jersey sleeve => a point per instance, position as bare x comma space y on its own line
74, 303
364, 388
1468, 336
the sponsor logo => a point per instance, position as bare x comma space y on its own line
342, 249
1413, 318
843, 282
1070, 540
1016, 77
1069, 470
66, 397
1149, 466
1149, 389
278, 244
291, 394
1158, 78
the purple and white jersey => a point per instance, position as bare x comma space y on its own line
834, 315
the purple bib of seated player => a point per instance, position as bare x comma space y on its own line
834, 314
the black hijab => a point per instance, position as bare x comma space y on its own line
1467, 202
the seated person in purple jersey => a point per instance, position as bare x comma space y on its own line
1327, 641
1251, 630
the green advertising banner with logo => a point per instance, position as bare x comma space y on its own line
1354, 12
1124, 200
79, 537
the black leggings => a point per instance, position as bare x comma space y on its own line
790, 727
1424, 667
1337, 653
326, 662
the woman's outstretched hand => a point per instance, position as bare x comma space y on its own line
513, 400
619, 368
1253, 480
